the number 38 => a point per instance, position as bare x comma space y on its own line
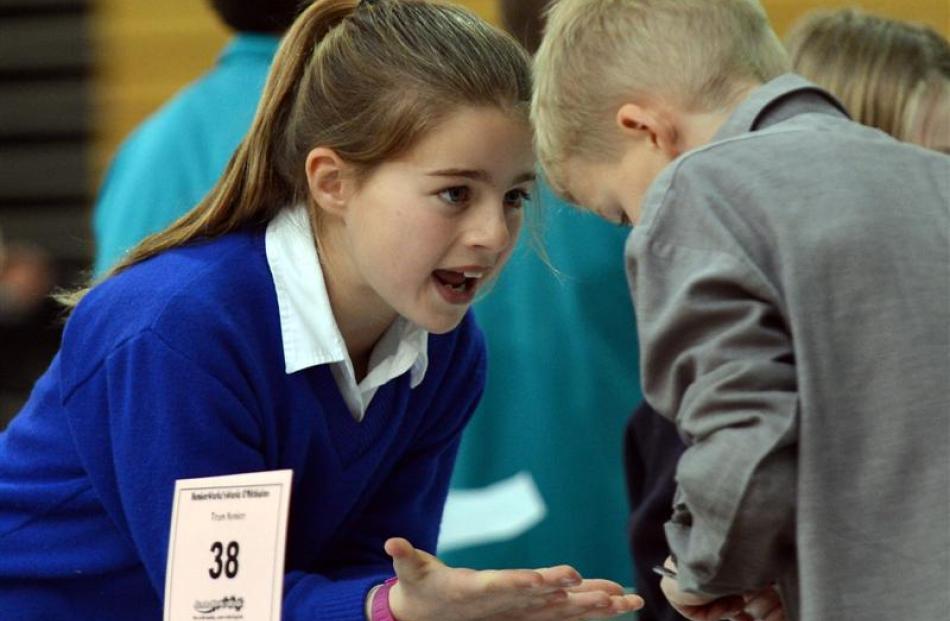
229, 564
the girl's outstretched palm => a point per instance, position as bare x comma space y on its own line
429, 590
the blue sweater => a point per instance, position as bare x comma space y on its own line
174, 369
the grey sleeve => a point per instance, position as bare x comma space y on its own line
717, 359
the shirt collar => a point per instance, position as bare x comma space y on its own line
781, 98
309, 331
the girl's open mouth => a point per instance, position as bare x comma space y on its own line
457, 287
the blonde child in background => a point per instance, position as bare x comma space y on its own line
790, 271
889, 74
311, 313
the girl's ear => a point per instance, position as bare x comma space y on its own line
330, 185
650, 122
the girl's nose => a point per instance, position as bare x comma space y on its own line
492, 228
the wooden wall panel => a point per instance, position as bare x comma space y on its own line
45, 68
38, 41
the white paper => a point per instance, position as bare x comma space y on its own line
498, 512
226, 548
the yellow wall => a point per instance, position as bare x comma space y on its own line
146, 51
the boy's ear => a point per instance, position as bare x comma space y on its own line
646, 121
328, 179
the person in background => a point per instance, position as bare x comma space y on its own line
170, 162
25, 280
790, 269
26, 343
270, 328
562, 379
889, 74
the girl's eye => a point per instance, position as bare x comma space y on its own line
517, 198
456, 196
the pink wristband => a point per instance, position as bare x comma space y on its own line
380, 609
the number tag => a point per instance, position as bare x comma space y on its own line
226, 548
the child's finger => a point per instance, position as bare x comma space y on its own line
763, 604
398, 548
598, 584
592, 600
498, 581
620, 604
776, 615
628, 602
407, 561
587, 606
560, 576
731, 605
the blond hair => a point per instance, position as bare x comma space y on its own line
366, 79
884, 71
596, 54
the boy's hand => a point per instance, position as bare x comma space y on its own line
764, 605
429, 590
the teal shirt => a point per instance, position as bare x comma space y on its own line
171, 161
563, 378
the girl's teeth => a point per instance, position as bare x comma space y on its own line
472, 274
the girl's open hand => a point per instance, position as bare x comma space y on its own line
429, 590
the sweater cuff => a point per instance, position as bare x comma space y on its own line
313, 599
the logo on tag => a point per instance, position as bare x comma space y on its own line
231, 602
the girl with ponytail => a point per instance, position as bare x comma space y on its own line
311, 313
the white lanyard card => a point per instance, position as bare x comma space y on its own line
226, 548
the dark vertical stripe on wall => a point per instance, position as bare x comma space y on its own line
45, 71
45, 131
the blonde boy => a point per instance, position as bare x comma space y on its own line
791, 276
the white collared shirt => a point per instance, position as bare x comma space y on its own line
308, 329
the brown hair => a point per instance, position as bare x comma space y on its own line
364, 79
884, 71
597, 53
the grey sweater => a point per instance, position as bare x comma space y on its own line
792, 289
